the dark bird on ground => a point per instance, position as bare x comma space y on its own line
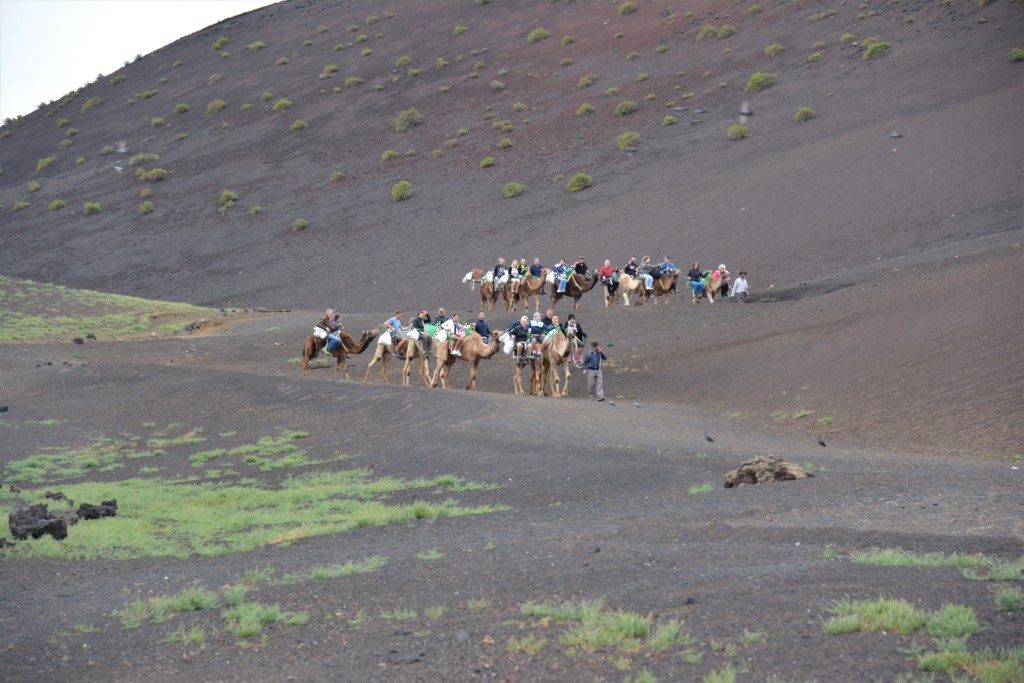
821, 441
707, 437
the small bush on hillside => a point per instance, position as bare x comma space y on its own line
568, 40
219, 43
773, 49
803, 114
92, 207
661, 48
512, 189
57, 204
818, 46
388, 155
401, 190
502, 72
256, 210
266, 96
352, 28
107, 150
627, 8
152, 175
297, 125
64, 144
617, 36
19, 205
440, 63
146, 192
759, 80
626, 139
641, 77
330, 69
299, 224
518, 106
586, 81
814, 57
145, 94
625, 107
707, 31
156, 121
214, 106
407, 119
255, 45
281, 104
873, 47
459, 29
669, 120
612, 91
117, 79
824, 14
538, 34
146, 207
366, 52
413, 73
79, 161
754, 9
1017, 54
847, 38
362, 38
504, 143
585, 109
322, 28
352, 81
90, 103
45, 163
181, 108
371, 20
246, 106
228, 198
632, 55
337, 177
487, 162
307, 43
724, 31
33, 186
177, 63
403, 61
579, 181
282, 61
62, 122
497, 85
737, 132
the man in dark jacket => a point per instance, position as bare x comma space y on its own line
595, 375
482, 328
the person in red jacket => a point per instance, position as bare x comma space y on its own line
607, 275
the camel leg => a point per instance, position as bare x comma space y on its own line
472, 376
305, 365
406, 369
373, 361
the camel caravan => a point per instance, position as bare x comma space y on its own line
545, 345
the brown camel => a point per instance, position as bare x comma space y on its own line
412, 350
473, 350
663, 285
517, 375
488, 295
576, 287
554, 354
531, 286
713, 285
314, 347
628, 286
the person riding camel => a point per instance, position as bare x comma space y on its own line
646, 271
548, 315
420, 323
695, 279
482, 328
632, 268
519, 330
580, 267
500, 275
548, 328
536, 269
441, 317
722, 274
669, 266
326, 327
334, 335
561, 272
513, 277
536, 333
573, 331
394, 324
607, 275
523, 268
456, 333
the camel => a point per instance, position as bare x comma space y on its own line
554, 353
413, 349
628, 286
473, 350
315, 346
576, 287
531, 286
663, 285
484, 278
713, 285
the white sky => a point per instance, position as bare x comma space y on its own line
50, 47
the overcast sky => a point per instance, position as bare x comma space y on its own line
50, 47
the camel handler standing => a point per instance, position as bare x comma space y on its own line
592, 369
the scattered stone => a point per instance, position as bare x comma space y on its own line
106, 508
395, 657
91, 336
745, 109
629, 149
59, 495
4, 543
895, 134
78, 340
699, 111
763, 471
3, 409
36, 521
15, 489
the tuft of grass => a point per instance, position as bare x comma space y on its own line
152, 175
512, 189
256, 210
538, 34
568, 40
299, 224
92, 207
897, 557
487, 162
873, 47
707, 31
246, 619
626, 107
388, 155
430, 554
227, 199
497, 85
297, 125
579, 181
107, 150
155, 122
337, 177
626, 138
505, 143
706, 487
585, 109
669, 120
883, 614
726, 674
146, 207
627, 8
586, 81
181, 108
477, 604
117, 79
724, 31
57, 204
754, 9
366, 52
282, 61
998, 570
814, 57
352, 81
759, 80
33, 186
737, 131
805, 114
19, 205
459, 29
281, 104
337, 571
214, 106
952, 621
220, 43
1017, 54
610, 92
1010, 599
530, 644
401, 190
399, 614
407, 119
847, 38
773, 49
632, 55
46, 162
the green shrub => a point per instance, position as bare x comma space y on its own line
759, 80
143, 158
538, 34
146, 207
337, 176
737, 131
641, 77
79, 161
627, 8
90, 103
459, 29
33, 186
352, 81
847, 38
504, 143
57, 204
256, 210
371, 20
818, 46
246, 106
401, 190
403, 61
322, 29
814, 57
625, 107
502, 72
626, 139
330, 69
146, 94
117, 79
45, 162
497, 85
824, 14
669, 120
64, 144
177, 63
612, 91
754, 9
1010, 599
512, 189
487, 162
366, 52
255, 45
146, 192
873, 47
773, 49
803, 114
579, 181
307, 43
661, 48
568, 40
266, 96
181, 108
413, 73
152, 175
219, 43
19, 205
707, 31
107, 150
215, 105
228, 198
518, 106
156, 121
584, 109
92, 207
724, 31
299, 224
617, 36
440, 63
632, 55
297, 125
407, 119
586, 81
1017, 54
281, 104
388, 155
282, 61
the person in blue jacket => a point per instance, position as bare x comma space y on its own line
482, 328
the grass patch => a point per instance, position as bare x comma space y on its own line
579, 181
246, 619
228, 198
997, 570
46, 162
297, 125
626, 138
1017, 54
805, 114
399, 614
952, 621
669, 120
530, 644
505, 143
487, 162
57, 204
431, 554
814, 57
407, 119
538, 34
897, 557
92, 207
401, 190
759, 80
627, 8
883, 614
459, 29
724, 31
299, 224
214, 106
388, 155
596, 627
706, 487
586, 81
1010, 599
336, 571
585, 109
512, 189
281, 104
773, 49
873, 47
626, 107
707, 31
737, 131
219, 43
